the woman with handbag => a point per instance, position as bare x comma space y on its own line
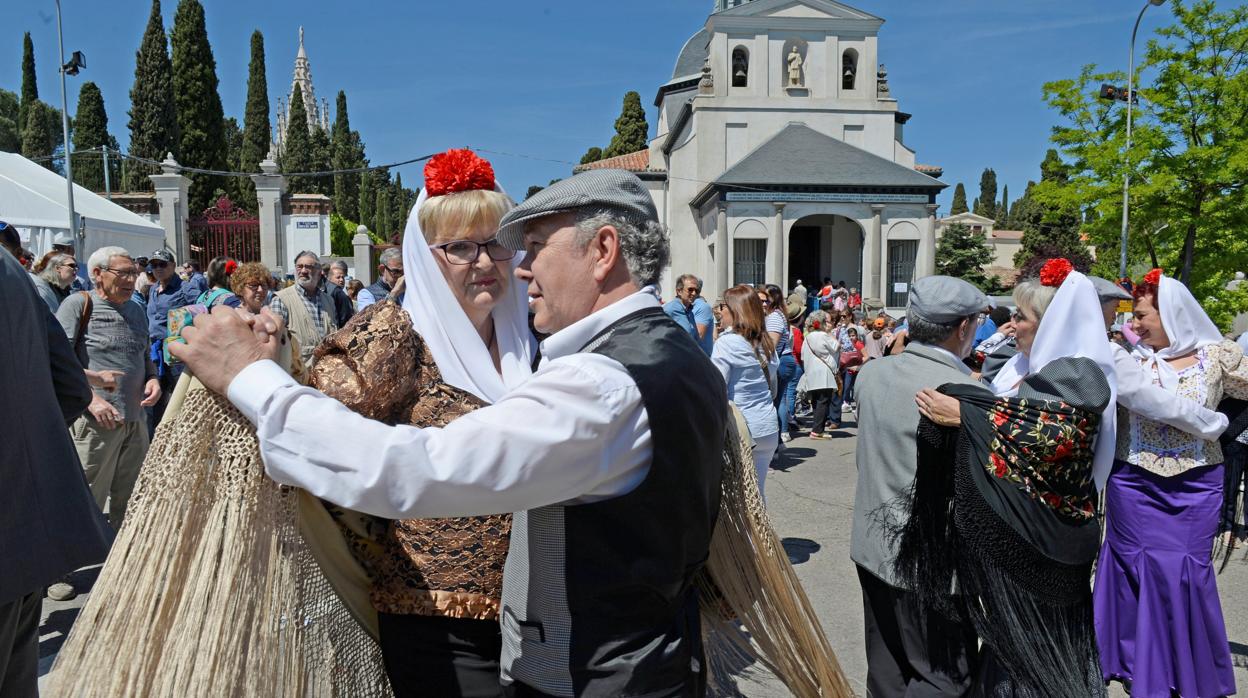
746, 356
819, 356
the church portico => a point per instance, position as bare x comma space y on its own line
780, 154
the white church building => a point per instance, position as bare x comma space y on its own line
780, 155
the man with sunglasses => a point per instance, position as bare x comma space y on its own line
306, 307
389, 271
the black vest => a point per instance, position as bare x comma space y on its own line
626, 618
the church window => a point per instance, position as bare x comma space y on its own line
740, 67
849, 69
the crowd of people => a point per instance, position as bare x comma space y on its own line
530, 477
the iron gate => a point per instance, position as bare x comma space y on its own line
225, 230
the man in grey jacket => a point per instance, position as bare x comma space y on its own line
49, 525
908, 655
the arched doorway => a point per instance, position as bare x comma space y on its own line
825, 245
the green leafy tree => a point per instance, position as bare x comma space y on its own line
594, 154
1051, 227
297, 147
197, 103
341, 235
959, 200
631, 128
255, 145
533, 190
986, 204
153, 120
963, 253
42, 135
348, 152
90, 131
30, 85
1187, 161
10, 134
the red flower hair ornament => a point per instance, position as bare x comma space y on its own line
1055, 271
230, 267
1153, 278
456, 171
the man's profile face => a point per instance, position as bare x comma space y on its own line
559, 272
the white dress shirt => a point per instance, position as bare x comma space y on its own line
1138, 393
576, 432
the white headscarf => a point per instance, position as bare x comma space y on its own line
1072, 326
461, 356
1187, 326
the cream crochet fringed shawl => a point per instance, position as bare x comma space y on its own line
211, 588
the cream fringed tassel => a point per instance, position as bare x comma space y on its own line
209, 589
751, 580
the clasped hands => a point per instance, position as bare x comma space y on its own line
222, 343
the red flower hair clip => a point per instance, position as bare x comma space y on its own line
1153, 278
230, 267
457, 170
1055, 271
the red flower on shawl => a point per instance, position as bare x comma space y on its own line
1063, 451
456, 171
999, 466
1153, 278
999, 417
1055, 271
1051, 499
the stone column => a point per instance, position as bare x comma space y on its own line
778, 256
884, 285
870, 255
171, 196
363, 256
270, 187
722, 243
925, 264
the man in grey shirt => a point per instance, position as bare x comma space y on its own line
908, 655
111, 438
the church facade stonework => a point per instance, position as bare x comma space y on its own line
780, 155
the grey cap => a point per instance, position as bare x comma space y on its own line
163, 255
1108, 290
616, 190
942, 299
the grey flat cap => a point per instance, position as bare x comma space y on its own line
616, 190
942, 299
1108, 290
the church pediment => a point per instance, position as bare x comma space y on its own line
802, 9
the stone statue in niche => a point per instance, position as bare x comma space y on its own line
795, 63
881, 81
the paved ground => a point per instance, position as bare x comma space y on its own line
810, 496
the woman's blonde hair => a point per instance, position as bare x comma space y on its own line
448, 216
1034, 296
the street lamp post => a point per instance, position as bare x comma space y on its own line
69, 172
1126, 176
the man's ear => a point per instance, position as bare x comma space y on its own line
604, 248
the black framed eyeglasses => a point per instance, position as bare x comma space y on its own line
467, 251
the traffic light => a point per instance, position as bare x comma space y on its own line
1117, 93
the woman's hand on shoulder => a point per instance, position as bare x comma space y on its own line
943, 410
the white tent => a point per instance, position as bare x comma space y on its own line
32, 199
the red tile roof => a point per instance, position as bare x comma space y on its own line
633, 162
1008, 234
934, 170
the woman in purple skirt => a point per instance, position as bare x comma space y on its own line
1158, 619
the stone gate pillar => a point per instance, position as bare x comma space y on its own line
171, 198
270, 187
363, 256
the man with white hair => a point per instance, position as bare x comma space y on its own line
306, 308
108, 332
389, 271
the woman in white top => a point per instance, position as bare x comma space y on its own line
820, 355
777, 326
745, 354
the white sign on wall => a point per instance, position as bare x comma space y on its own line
827, 197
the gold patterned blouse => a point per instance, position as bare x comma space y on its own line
379, 367
1221, 370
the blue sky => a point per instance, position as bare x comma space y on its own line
543, 80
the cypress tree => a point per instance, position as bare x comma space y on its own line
322, 158
30, 86
1049, 231
200, 117
90, 131
297, 153
986, 204
255, 122
153, 123
10, 134
347, 155
235, 187
400, 207
368, 200
382, 208
959, 200
631, 128
40, 137
1003, 211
